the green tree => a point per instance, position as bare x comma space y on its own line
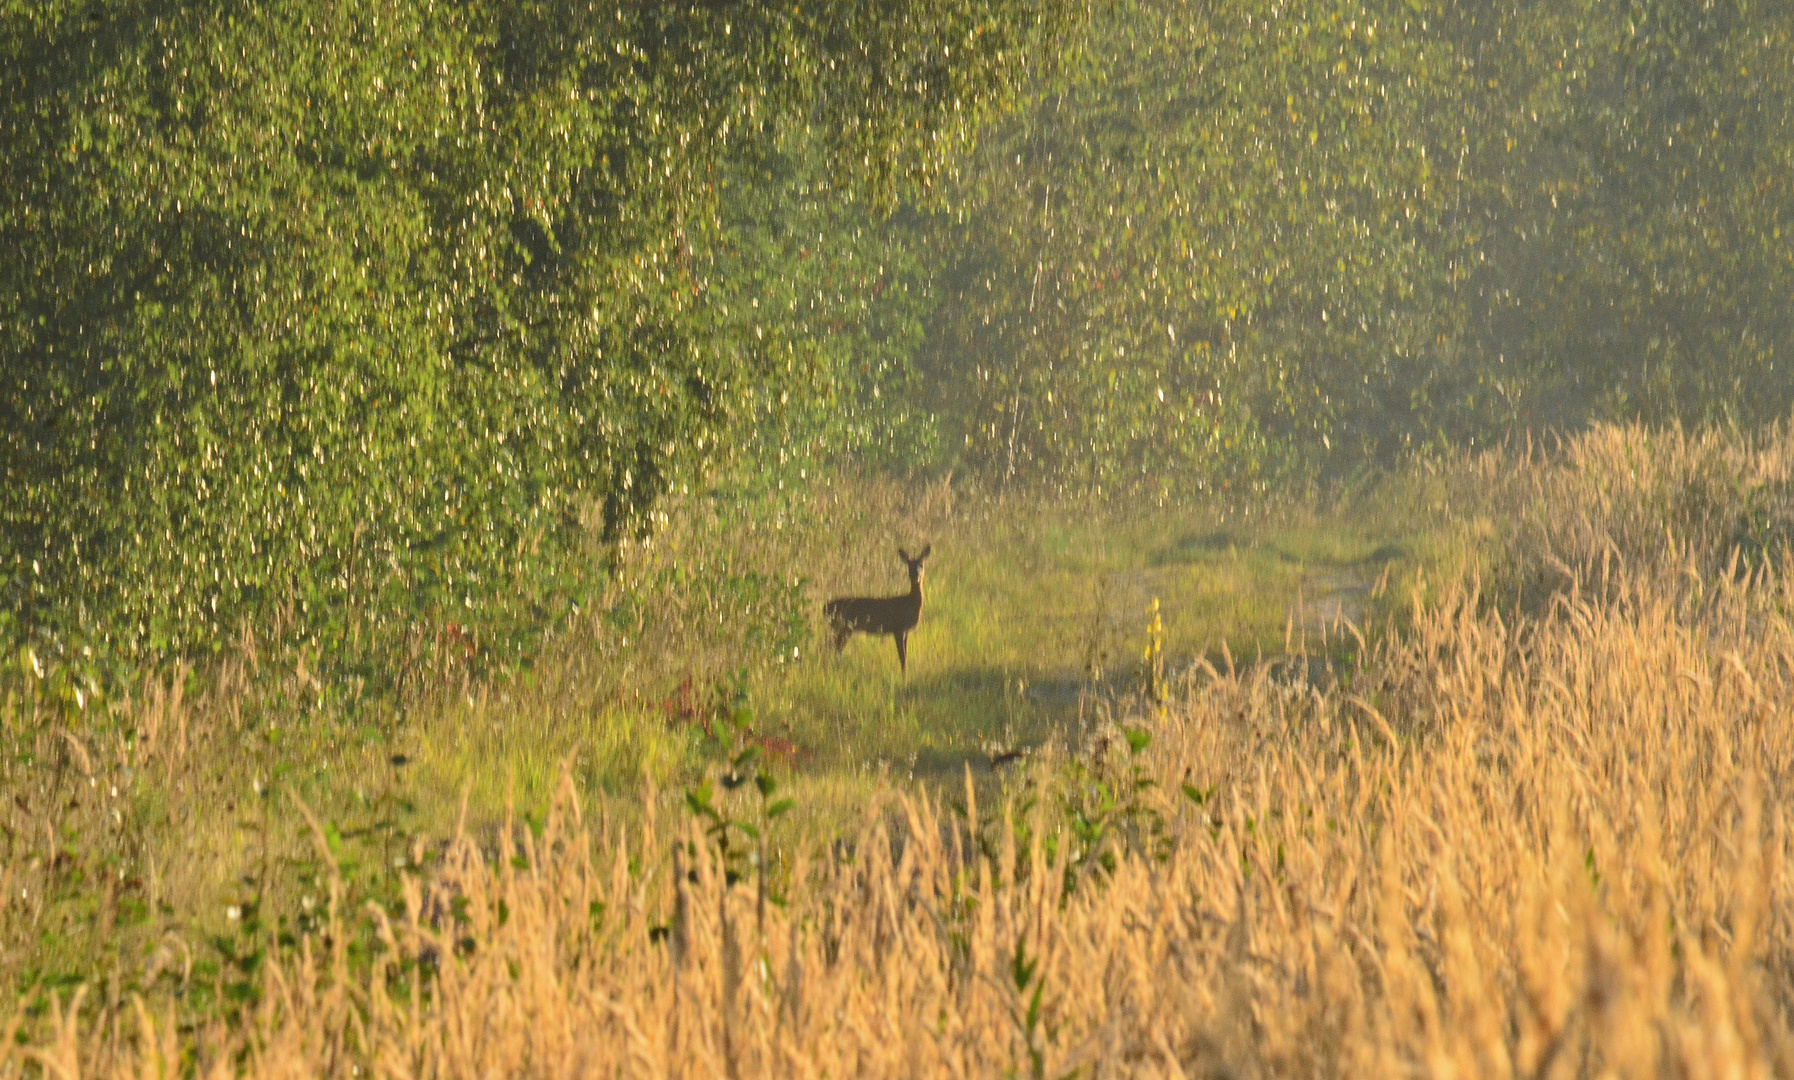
1178, 264
839, 292
1634, 168
1246, 242
371, 305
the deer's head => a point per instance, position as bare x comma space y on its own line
915, 564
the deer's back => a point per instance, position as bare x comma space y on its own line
877, 614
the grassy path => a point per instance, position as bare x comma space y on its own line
1032, 627
1034, 624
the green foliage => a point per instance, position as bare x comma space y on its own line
1242, 243
1099, 807
1635, 204
365, 308
1025, 1012
100, 780
1110, 810
744, 763
1162, 256
834, 295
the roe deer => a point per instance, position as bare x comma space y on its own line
893, 615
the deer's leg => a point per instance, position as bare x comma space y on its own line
902, 651
841, 634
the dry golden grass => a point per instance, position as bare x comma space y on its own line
1544, 842
1662, 503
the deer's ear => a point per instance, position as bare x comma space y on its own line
925, 552
905, 555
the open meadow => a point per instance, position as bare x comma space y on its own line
1488, 777
710, 641
1202, 539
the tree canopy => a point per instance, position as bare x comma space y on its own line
1248, 241
364, 303
377, 308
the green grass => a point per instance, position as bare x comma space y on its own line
1033, 632
1031, 622
1034, 624
1035, 621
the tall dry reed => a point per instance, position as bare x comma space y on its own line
1666, 503
1537, 842
1556, 847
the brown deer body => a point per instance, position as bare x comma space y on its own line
893, 615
